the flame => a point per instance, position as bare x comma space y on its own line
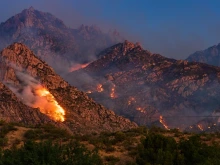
132, 99
163, 122
200, 127
48, 105
112, 94
78, 66
100, 88
140, 109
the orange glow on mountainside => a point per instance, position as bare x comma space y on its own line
100, 88
112, 94
48, 105
78, 66
163, 122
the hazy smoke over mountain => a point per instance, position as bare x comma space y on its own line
176, 38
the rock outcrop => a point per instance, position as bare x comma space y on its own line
82, 113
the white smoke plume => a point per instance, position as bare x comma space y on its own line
33, 94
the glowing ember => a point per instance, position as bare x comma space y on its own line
48, 105
200, 127
163, 122
112, 94
140, 109
78, 66
132, 99
100, 88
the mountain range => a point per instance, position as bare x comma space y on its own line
149, 88
36, 84
53, 41
72, 77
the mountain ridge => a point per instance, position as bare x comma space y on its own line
145, 87
53, 41
82, 113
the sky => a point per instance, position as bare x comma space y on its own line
173, 28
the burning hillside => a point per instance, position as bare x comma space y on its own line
148, 85
37, 85
33, 94
48, 105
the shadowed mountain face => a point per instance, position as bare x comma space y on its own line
51, 40
209, 56
149, 88
25, 75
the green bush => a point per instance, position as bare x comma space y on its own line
47, 153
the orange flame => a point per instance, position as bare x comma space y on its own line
112, 94
100, 88
140, 109
48, 105
163, 122
200, 127
132, 99
78, 66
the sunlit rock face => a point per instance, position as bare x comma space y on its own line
149, 88
51, 40
37, 85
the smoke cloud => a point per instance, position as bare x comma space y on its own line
33, 94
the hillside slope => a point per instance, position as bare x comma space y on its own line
23, 72
149, 88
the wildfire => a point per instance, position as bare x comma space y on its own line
100, 88
112, 94
78, 66
163, 122
48, 105
200, 127
132, 99
140, 109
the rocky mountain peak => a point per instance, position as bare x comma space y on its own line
128, 46
31, 8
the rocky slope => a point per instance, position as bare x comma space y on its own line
82, 114
209, 56
52, 40
149, 88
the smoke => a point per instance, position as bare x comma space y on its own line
33, 94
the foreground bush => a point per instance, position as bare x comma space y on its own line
47, 153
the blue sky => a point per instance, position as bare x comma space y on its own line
173, 28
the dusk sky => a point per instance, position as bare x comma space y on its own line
173, 28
